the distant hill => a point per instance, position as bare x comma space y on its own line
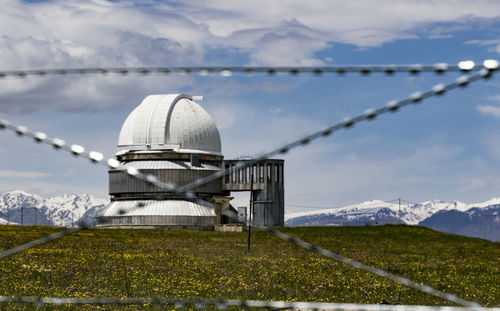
475, 220
59, 210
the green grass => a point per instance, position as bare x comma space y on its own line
182, 263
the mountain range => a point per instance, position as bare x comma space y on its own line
476, 220
18, 207
480, 220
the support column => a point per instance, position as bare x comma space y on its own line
221, 205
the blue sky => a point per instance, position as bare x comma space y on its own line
445, 148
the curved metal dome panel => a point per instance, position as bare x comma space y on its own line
170, 213
170, 122
158, 208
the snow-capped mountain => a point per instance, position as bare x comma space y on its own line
376, 212
64, 210
373, 210
481, 222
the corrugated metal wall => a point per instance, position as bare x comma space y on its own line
122, 183
267, 181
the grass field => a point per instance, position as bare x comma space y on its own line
181, 263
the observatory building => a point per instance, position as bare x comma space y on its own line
174, 139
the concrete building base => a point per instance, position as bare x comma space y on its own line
229, 228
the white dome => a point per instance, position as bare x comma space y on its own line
170, 122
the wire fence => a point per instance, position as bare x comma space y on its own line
370, 114
484, 71
200, 303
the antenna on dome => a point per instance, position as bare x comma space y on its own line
197, 97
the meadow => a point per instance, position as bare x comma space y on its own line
181, 263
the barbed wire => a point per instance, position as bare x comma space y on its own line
39, 241
370, 114
283, 236
242, 303
201, 303
357, 264
94, 156
392, 106
226, 71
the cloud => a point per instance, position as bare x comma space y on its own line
22, 174
494, 45
336, 178
288, 43
84, 33
60, 34
489, 140
281, 32
494, 98
287, 49
489, 110
90, 93
277, 110
480, 183
48, 189
336, 171
363, 23
224, 116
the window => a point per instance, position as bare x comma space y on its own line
269, 171
261, 175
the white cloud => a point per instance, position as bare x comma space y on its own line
494, 45
364, 23
489, 110
22, 174
278, 32
338, 174
287, 49
277, 110
48, 189
98, 33
224, 116
494, 98
480, 183
58, 34
84, 93
489, 140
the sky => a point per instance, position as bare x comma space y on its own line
444, 148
